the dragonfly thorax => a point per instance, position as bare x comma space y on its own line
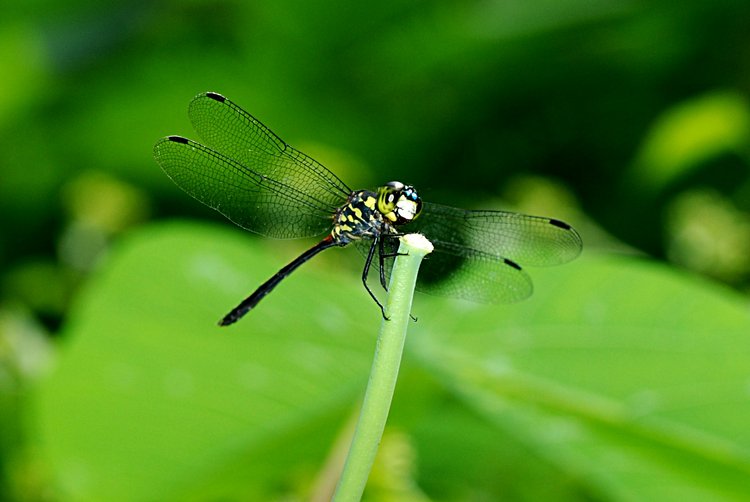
359, 218
399, 203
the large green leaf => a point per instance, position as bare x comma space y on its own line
618, 379
630, 375
151, 398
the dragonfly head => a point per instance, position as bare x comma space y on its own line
399, 203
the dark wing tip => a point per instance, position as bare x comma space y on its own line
574, 243
215, 96
559, 224
512, 263
177, 139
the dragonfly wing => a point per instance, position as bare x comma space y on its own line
475, 276
232, 131
524, 239
458, 273
248, 198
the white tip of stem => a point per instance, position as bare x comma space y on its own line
418, 242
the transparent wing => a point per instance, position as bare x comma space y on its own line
249, 174
249, 198
524, 239
475, 276
465, 273
232, 131
478, 254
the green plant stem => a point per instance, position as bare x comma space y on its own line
384, 372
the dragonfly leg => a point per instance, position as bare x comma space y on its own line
382, 255
366, 271
381, 258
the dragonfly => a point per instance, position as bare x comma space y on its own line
250, 175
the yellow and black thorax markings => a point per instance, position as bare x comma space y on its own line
359, 218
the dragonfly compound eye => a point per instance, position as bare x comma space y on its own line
408, 205
398, 203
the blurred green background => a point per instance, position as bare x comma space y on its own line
625, 377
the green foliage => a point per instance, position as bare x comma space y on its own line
623, 379
692, 133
